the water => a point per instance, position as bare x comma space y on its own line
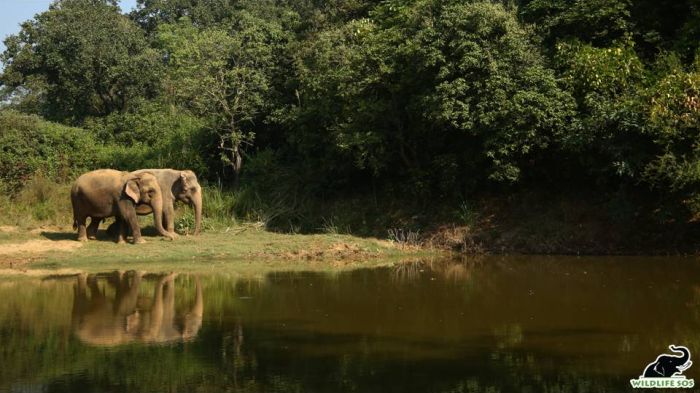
499, 324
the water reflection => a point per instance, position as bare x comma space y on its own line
510, 324
102, 319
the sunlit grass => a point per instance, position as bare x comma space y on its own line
241, 248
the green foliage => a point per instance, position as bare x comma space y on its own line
223, 76
426, 89
29, 145
597, 21
607, 135
674, 123
306, 102
79, 58
153, 135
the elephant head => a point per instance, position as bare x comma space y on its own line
143, 189
666, 366
177, 185
187, 189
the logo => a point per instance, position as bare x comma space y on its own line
666, 371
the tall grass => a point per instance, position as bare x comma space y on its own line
40, 201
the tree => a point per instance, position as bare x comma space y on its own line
223, 76
203, 13
80, 58
596, 21
429, 90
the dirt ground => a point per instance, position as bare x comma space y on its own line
38, 246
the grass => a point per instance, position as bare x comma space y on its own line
243, 227
38, 220
239, 247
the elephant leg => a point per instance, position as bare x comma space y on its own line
80, 289
128, 216
82, 232
114, 229
169, 303
169, 217
92, 228
121, 230
95, 291
81, 301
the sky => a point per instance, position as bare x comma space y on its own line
15, 12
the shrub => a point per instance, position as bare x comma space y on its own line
29, 145
153, 135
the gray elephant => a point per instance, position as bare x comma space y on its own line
110, 193
98, 319
666, 366
176, 186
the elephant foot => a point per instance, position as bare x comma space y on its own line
121, 240
82, 238
92, 237
139, 240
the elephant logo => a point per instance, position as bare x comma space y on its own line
667, 371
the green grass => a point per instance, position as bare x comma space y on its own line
41, 211
243, 247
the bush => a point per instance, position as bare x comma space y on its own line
40, 201
29, 145
154, 135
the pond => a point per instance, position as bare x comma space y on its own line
491, 324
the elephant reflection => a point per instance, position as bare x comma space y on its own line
99, 320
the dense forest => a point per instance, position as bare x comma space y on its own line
407, 108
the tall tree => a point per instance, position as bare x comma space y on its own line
80, 58
430, 90
224, 76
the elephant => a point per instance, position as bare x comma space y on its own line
106, 192
666, 366
100, 320
176, 186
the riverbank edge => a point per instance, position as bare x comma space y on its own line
243, 247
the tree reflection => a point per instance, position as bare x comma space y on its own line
496, 325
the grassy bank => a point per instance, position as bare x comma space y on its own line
246, 247
248, 226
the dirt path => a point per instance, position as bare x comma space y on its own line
39, 246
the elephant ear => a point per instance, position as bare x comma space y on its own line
132, 189
183, 180
660, 369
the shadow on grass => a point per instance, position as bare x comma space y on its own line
56, 236
102, 235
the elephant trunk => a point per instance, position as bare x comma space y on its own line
686, 355
157, 205
193, 320
197, 204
